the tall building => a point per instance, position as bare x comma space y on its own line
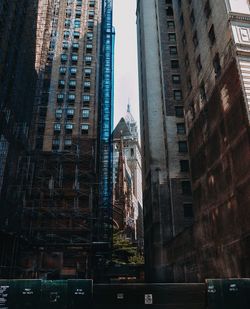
167, 197
127, 209
18, 76
213, 45
61, 188
213, 53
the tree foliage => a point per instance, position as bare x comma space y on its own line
124, 251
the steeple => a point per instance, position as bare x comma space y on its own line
130, 121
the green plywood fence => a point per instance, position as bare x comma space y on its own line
228, 293
39, 294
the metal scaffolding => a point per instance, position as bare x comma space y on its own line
104, 212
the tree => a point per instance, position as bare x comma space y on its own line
124, 251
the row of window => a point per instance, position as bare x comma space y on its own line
74, 59
70, 112
71, 98
72, 85
195, 39
68, 128
68, 141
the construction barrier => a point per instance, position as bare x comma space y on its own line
76, 294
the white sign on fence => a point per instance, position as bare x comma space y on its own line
148, 299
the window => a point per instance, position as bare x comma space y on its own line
73, 71
74, 59
69, 128
90, 24
62, 70
174, 64
86, 86
65, 45
78, 13
188, 210
76, 34
58, 113
186, 61
89, 48
55, 144
192, 18
189, 83
91, 14
77, 23
75, 47
64, 58
67, 23
88, 60
169, 11
176, 79
198, 63
181, 128
184, 165
87, 73
60, 97
183, 147
216, 64
186, 187
67, 143
57, 127
181, 20
92, 3
90, 36
72, 84
184, 40
211, 35
86, 99
195, 39
66, 34
179, 111
71, 98
61, 84
171, 37
173, 50
70, 113
177, 95
85, 128
68, 12
85, 113
170, 24
207, 9
79, 2
203, 91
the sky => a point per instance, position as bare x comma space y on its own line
126, 67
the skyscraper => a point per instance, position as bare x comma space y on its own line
212, 52
166, 186
61, 211
18, 75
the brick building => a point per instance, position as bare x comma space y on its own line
55, 185
213, 51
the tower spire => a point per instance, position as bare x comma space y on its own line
128, 106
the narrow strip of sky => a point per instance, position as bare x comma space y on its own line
126, 66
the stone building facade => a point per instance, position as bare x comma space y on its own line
167, 197
213, 52
128, 207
